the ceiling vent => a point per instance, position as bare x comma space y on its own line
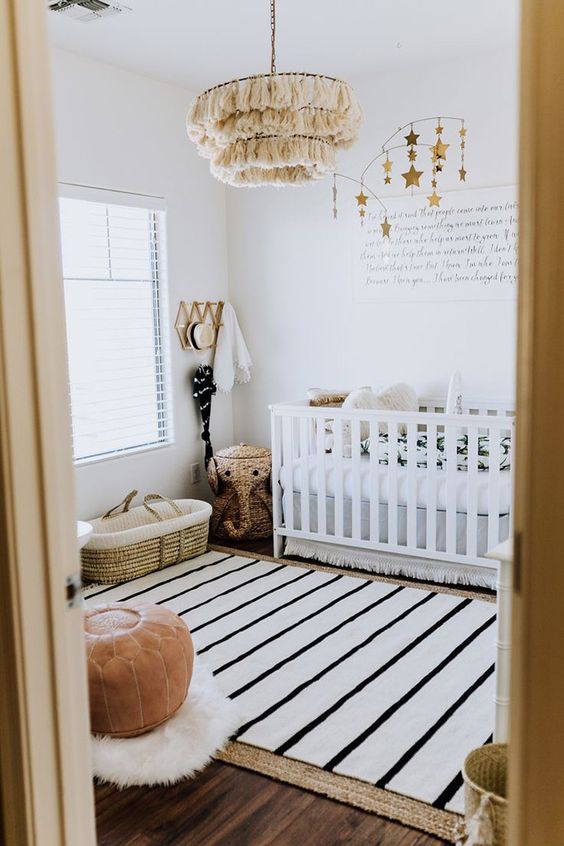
86, 10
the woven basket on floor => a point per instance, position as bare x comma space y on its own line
127, 544
485, 792
240, 478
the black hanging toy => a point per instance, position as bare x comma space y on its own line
203, 389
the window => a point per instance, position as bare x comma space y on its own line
113, 253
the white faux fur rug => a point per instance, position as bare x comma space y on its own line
175, 750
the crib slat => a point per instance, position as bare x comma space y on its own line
304, 472
321, 480
431, 478
355, 479
451, 433
276, 434
392, 483
511, 457
411, 484
374, 481
288, 453
338, 471
472, 493
493, 488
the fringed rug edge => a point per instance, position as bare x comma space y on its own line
349, 791
309, 564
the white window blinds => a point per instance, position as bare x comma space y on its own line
114, 276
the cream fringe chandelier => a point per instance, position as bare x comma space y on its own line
276, 128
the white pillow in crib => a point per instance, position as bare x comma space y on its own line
317, 397
399, 397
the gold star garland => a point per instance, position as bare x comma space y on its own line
387, 170
361, 200
462, 173
335, 196
412, 176
438, 152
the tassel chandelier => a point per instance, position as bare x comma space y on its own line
275, 128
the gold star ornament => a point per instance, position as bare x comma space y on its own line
386, 228
412, 177
434, 199
462, 132
439, 150
387, 165
387, 180
411, 138
361, 198
462, 174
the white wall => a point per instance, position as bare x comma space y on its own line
289, 262
119, 130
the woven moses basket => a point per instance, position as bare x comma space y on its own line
240, 478
485, 792
127, 544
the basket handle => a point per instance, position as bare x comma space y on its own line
158, 497
125, 502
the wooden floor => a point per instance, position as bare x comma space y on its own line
233, 807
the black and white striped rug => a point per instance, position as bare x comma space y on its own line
360, 679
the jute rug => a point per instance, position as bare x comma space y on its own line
367, 690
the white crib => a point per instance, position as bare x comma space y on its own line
407, 517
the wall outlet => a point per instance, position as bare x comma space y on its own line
195, 473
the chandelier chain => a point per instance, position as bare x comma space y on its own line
272, 36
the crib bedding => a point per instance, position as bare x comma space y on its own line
483, 450
363, 482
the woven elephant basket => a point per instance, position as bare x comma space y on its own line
240, 476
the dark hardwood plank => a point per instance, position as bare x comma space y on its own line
263, 546
227, 805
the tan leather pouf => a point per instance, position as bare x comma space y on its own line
140, 660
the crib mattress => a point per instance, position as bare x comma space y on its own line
461, 484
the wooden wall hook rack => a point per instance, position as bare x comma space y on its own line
198, 312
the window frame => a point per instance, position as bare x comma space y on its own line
156, 208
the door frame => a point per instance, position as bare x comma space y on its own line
536, 771
45, 771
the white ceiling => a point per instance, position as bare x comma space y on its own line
197, 44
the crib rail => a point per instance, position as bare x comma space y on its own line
429, 485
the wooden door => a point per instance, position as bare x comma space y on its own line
537, 726
44, 741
